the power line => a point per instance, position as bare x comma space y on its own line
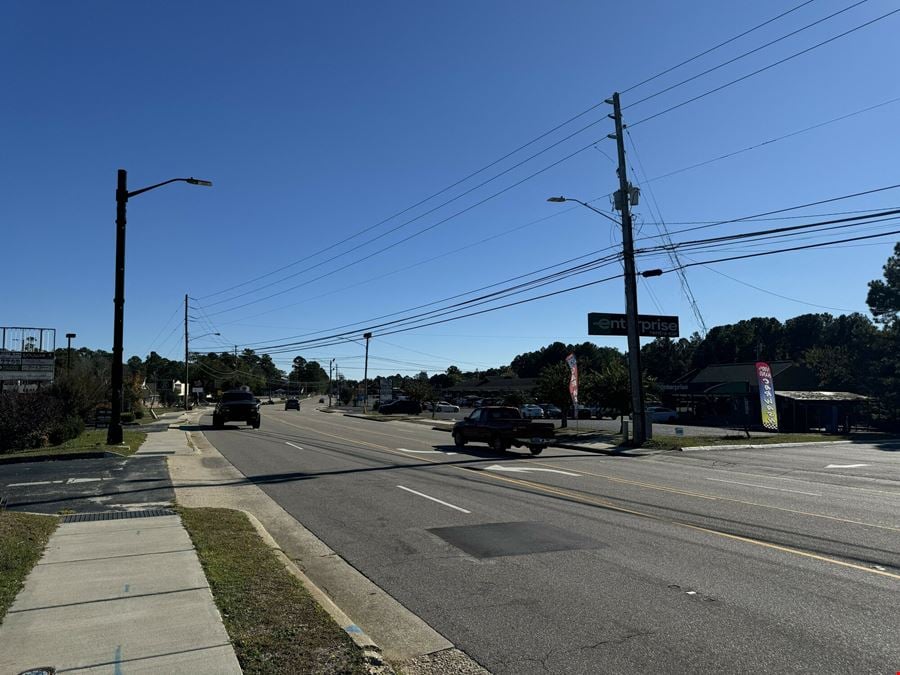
411, 236
712, 49
664, 232
784, 210
421, 215
764, 68
773, 140
745, 54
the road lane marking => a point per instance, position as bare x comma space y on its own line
427, 452
434, 499
662, 488
37, 482
522, 469
292, 445
82, 480
765, 487
844, 466
585, 499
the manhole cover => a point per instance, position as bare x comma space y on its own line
499, 539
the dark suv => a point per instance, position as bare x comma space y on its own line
237, 406
400, 407
292, 404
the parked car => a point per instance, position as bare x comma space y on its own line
581, 412
551, 411
292, 404
502, 427
400, 407
239, 406
530, 411
661, 415
445, 406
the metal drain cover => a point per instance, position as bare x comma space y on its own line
115, 515
491, 540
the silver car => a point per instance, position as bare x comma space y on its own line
531, 411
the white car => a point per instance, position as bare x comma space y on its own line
532, 411
661, 415
444, 406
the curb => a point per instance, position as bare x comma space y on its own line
757, 446
100, 454
372, 655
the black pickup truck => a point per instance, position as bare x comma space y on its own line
237, 406
502, 427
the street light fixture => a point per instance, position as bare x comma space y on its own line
559, 200
114, 433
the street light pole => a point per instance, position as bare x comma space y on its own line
366, 375
638, 414
186, 351
69, 337
114, 433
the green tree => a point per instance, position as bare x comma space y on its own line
553, 387
883, 298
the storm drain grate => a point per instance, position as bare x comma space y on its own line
116, 515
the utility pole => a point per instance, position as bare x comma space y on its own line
366, 375
114, 432
638, 414
330, 385
185, 351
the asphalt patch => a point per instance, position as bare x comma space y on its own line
491, 540
87, 485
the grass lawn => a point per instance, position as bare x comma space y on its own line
90, 440
22, 540
675, 442
273, 622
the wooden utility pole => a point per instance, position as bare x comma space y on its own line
623, 196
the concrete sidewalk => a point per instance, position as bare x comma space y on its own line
125, 594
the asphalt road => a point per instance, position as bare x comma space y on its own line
86, 485
779, 560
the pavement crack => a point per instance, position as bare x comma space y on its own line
616, 641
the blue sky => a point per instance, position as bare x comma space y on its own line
316, 120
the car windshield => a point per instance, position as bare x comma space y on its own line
234, 396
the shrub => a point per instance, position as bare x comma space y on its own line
127, 417
67, 428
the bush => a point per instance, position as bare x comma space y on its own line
127, 417
68, 428
139, 413
27, 420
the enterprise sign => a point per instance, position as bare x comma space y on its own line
649, 325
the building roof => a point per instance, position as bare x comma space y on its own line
830, 396
733, 372
495, 383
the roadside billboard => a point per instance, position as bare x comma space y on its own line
27, 366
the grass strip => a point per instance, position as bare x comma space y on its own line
675, 442
90, 440
274, 623
23, 537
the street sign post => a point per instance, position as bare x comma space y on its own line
649, 325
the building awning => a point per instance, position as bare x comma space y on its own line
822, 396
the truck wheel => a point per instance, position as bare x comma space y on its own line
536, 449
497, 444
256, 424
458, 440
217, 422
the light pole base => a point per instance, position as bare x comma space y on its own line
114, 435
